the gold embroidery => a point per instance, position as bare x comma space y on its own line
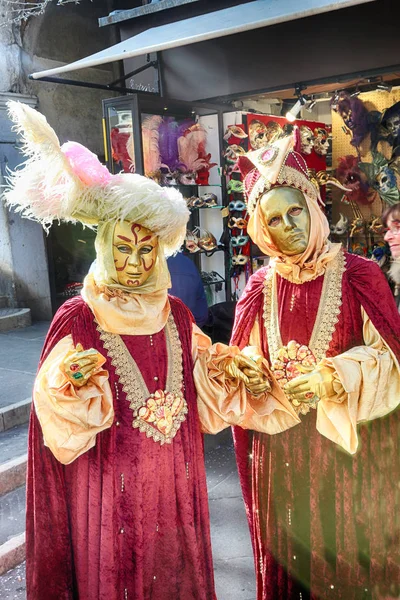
327, 315
284, 359
161, 414
287, 175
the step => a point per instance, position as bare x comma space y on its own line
3, 302
12, 514
14, 318
15, 414
12, 553
13, 443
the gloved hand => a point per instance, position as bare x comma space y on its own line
249, 371
79, 365
316, 383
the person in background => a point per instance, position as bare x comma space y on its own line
187, 285
391, 221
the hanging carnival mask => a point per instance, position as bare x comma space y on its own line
237, 223
321, 141
262, 134
192, 242
235, 131
349, 174
239, 240
382, 177
167, 176
232, 152
375, 225
206, 241
240, 259
306, 139
237, 205
358, 249
235, 187
357, 226
379, 254
354, 114
186, 178
341, 227
391, 122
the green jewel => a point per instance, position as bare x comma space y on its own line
77, 375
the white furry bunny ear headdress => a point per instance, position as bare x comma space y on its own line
69, 183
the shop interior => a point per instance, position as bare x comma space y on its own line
349, 136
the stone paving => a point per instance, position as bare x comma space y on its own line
19, 355
233, 562
232, 552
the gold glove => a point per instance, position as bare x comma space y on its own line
316, 383
249, 371
79, 365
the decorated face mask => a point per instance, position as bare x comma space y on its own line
382, 178
135, 253
286, 219
321, 141
341, 226
307, 139
187, 178
393, 125
167, 176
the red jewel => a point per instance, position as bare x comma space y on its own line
74, 367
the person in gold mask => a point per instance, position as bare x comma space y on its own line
321, 497
116, 489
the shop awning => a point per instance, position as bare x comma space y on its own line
228, 21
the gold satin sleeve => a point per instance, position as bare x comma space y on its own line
366, 385
71, 417
222, 402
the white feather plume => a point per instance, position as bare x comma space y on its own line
46, 189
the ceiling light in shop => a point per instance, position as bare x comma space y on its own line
310, 105
291, 115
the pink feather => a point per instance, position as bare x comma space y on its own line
191, 147
85, 165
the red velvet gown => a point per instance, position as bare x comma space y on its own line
324, 524
127, 520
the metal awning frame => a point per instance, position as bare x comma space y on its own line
112, 86
228, 99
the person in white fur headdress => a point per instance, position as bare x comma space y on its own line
116, 492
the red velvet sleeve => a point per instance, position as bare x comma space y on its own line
48, 544
374, 294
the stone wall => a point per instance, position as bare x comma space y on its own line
61, 35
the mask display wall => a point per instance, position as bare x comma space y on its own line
276, 127
371, 170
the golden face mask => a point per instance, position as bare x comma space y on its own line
287, 219
135, 252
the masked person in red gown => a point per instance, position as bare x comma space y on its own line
116, 489
322, 498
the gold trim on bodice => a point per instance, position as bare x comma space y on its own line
327, 315
161, 414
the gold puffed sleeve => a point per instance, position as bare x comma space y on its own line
71, 417
223, 402
366, 386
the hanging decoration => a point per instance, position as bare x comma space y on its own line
381, 174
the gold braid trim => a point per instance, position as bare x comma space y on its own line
327, 316
134, 386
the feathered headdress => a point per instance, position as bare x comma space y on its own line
69, 183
